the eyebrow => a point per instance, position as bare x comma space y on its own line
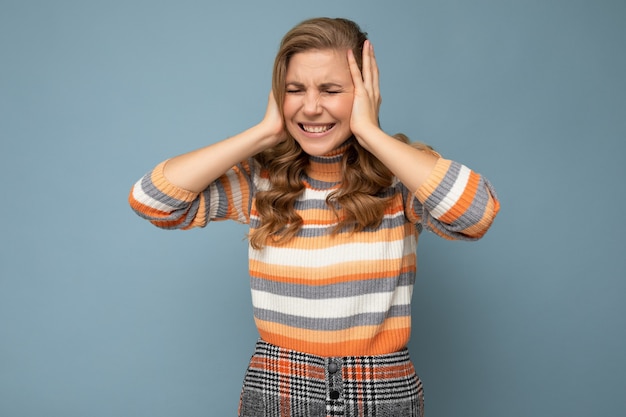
322, 86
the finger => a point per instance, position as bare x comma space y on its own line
367, 68
374, 72
357, 79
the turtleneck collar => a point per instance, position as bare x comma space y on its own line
327, 167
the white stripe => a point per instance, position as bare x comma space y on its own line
452, 197
351, 252
261, 184
312, 194
332, 307
214, 202
145, 199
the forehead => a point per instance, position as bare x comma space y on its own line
317, 65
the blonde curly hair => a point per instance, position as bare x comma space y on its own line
358, 203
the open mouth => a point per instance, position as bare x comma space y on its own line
316, 128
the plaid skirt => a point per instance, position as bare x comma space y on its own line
284, 383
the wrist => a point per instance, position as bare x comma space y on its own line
368, 135
266, 136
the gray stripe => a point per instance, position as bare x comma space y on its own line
343, 289
320, 185
254, 223
152, 191
329, 160
207, 203
222, 202
181, 208
334, 323
387, 223
320, 203
472, 216
187, 212
310, 204
432, 224
475, 211
221, 211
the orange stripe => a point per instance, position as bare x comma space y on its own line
229, 195
326, 217
284, 365
480, 228
168, 224
144, 209
334, 274
439, 233
328, 241
437, 175
360, 372
163, 185
465, 200
199, 219
285, 386
363, 340
385, 342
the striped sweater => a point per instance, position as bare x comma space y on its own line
330, 295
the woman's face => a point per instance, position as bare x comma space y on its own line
318, 100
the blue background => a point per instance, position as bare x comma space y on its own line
103, 315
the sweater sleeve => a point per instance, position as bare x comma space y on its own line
455, 202
167, 206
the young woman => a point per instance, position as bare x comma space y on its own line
335, 207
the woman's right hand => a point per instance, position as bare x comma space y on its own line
195, 170
273, 124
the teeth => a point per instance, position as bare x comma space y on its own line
316, 129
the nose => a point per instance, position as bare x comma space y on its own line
311, 103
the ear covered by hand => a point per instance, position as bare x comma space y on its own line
367, 99
273, 120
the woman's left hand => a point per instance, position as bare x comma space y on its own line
367, 97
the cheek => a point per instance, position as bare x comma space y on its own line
289, 112
292, 129
289, 108
343, 108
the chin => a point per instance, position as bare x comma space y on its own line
321, 146
316, 149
